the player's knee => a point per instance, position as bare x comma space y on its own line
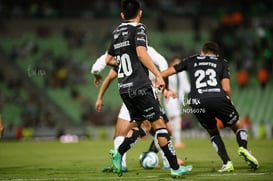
122, 127
169, 129
146, 125
162, 136
136, 133
213, 131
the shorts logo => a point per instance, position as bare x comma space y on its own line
136, 92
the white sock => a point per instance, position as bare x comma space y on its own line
117, 142
176, 129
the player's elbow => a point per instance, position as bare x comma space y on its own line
227, 90
226, 86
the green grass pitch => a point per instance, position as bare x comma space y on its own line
52, 160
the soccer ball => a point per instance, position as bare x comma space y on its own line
148, 160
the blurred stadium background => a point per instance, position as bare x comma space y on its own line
47, 48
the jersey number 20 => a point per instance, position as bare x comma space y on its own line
201, 74
125, 66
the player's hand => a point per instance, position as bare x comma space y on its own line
159, 83
97, 80
99, 105
168, 94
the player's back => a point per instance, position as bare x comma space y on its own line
206, 73
132, 74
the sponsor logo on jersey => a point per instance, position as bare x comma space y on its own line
201, 91
121, 44
130, 84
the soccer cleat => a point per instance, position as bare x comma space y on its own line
248, 157
227, 167
182, 170
116, 162
109, 169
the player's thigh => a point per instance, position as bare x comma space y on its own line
157, 124
169, 128
227, 112
207, 120
142, 106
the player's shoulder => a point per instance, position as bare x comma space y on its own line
225, 60
191, 57
222, 59
141, 26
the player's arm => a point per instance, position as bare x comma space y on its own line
110, 56
168, 72
157, 58
225, 80
97, 67
110, 60
165, 74
146, 60
226, 86
107, 81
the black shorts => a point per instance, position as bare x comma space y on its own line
207, 110
142, 105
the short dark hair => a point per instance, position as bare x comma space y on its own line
130, 8
211, 47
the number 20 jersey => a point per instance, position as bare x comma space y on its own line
206, 73
132, 74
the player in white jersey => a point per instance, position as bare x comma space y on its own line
123, 124
180, 84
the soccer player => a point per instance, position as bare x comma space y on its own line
1, 127
128, 50
180, 84
123, 124
210, 99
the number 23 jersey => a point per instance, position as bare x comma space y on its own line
132, 74
206, 73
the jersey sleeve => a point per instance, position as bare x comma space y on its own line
226, 73
111, 50
158, 59
182, 65
99, 65
141, 37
